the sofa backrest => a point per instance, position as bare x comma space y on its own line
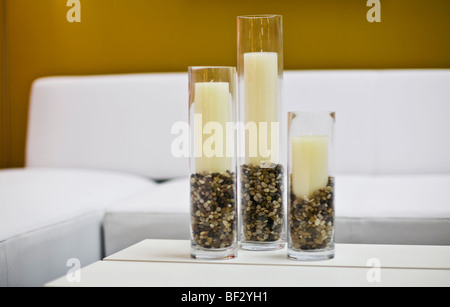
112, 122
387, 121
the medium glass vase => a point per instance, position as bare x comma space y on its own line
213, 195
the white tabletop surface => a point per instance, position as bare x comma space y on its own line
347, 255
162, 263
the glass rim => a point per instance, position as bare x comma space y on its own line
258, 16
210, 67
311, 112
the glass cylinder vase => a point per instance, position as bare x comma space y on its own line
261, 165
213, 202
311, 182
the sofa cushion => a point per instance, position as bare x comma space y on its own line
31, 198
51, 215
369, 209
399, 196
160, 212
393, 209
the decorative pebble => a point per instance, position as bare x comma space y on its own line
311, 221
213, 209
262, 213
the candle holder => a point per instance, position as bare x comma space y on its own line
262, 169
311, 185
212, 164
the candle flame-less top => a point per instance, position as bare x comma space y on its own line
212, 110
261, 105
309, 158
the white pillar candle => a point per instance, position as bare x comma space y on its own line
213, 102
309, 164
261, 103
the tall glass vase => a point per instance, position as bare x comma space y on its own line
261, 147
213, 162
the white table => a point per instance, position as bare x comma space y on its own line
167, 263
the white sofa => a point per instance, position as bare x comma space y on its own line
100, 175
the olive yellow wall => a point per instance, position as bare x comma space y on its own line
125, 36
3, 121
